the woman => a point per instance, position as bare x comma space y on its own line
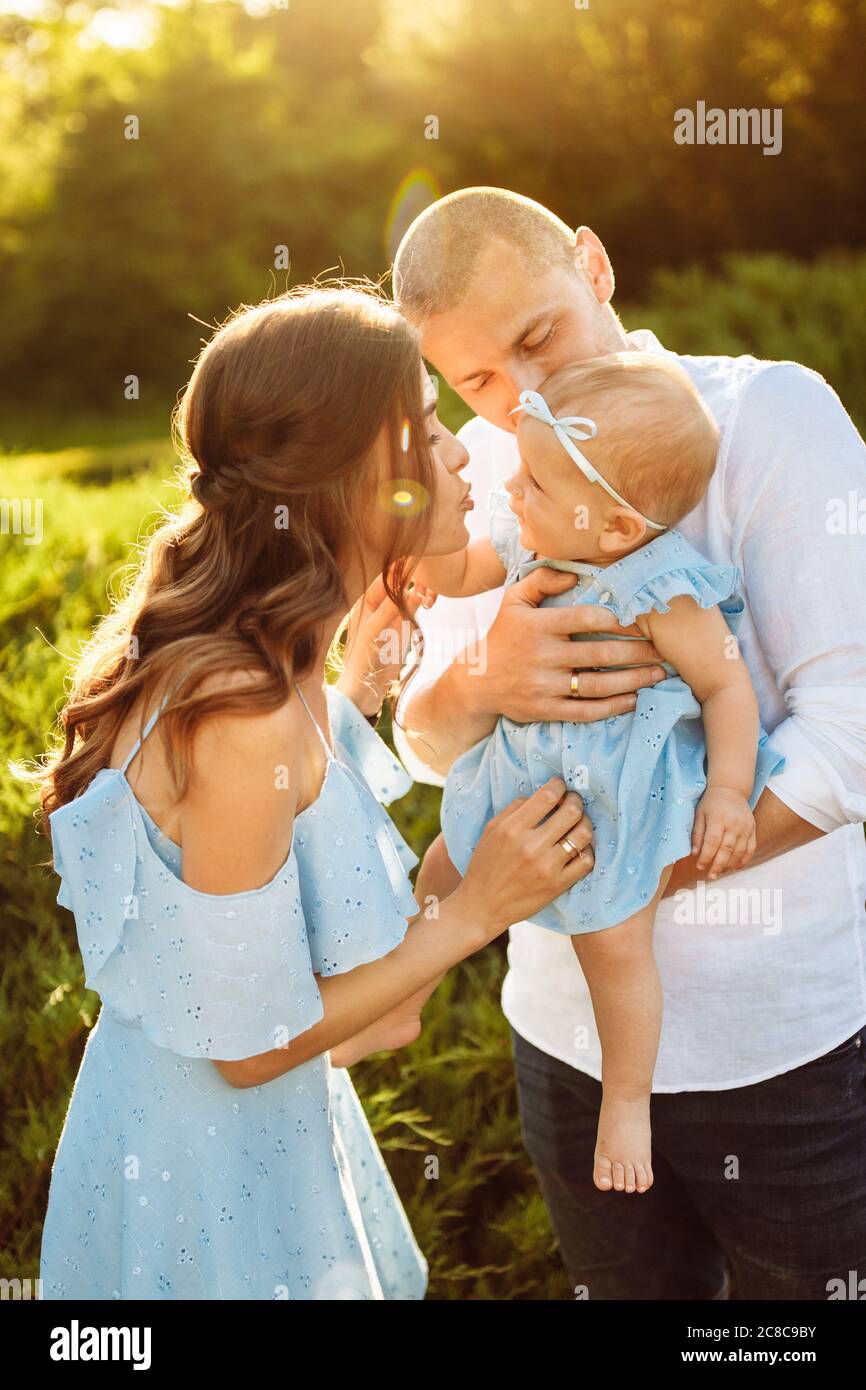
240, 896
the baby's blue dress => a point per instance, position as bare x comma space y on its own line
641, 774
168, 1183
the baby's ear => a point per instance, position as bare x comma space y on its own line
622, 531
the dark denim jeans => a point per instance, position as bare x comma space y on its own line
764, 1184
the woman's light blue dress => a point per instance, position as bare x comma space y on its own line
168, 1183
641, 774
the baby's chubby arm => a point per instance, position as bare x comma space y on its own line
472, 570
700, 645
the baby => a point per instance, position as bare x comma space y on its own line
678, 775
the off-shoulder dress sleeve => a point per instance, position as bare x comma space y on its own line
383, 772
206, 975
371, 758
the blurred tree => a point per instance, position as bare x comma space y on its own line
295, 127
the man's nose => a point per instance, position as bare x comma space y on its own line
524, 376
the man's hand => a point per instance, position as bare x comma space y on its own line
531, 657
525, 674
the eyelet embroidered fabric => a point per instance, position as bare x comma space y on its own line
168, 1182
640, 775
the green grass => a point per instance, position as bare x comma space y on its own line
23, 432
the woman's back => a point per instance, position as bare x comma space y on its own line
288, 737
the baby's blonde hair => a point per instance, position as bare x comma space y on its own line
656, 441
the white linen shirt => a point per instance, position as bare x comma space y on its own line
755, 982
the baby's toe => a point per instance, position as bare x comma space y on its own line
603, 1174
644, 1174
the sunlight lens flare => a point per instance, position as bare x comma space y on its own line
415, 192
403, 497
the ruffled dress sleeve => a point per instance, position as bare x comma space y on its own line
648, 579
383, 772
370, 757
206, 975
228, 976
667, 568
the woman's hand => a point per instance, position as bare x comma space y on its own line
520, 865
378, 644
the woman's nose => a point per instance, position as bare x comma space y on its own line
460, 457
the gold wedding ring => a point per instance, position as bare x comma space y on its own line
568, 846
575, 685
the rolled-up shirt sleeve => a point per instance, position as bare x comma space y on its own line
796, 534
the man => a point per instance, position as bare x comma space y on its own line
759, 1094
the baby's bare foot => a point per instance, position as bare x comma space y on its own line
623, 1148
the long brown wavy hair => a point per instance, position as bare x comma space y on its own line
276, 425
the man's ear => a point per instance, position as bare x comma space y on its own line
622, 530
591, 257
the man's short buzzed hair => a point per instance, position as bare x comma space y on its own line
437, 257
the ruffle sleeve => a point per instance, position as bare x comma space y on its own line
383, 772
228, 976
219, 976
357, 896
648, 579
369, 755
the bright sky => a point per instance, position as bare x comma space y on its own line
133, 24
125, 24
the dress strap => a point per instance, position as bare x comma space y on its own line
315, 723
147, 728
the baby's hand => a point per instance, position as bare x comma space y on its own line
723, 834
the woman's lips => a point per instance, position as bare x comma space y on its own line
467, 505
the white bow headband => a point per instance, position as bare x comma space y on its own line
567, 429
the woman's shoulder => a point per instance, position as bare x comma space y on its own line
253, 759
248, 725
257, 763
228, 738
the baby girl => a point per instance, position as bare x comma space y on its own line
678, 775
